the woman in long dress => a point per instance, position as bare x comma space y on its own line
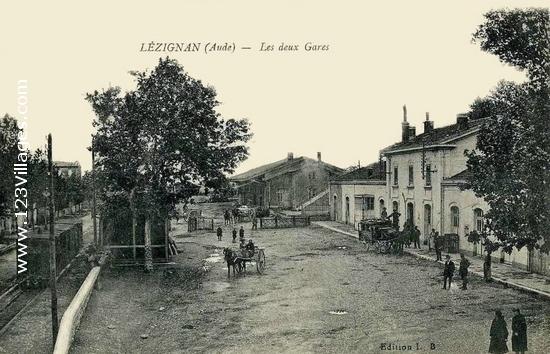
499, 335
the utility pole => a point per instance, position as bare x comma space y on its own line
94, 210
53, 271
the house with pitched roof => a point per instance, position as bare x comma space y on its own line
358, 194
292, 183
425, 178
426, 181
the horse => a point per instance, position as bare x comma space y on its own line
233, 260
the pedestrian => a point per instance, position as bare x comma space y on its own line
241, 234
448, 272
431, 240
234, 235
416, 237
438, 246
384, 214
254, 223
498, 334
519, 333
226, 217
219, 233
463, 271
395, 218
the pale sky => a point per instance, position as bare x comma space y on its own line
345, 102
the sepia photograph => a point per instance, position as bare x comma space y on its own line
184, 176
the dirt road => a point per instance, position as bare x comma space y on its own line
321, 293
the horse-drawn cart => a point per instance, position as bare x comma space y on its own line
237, 259
379, 233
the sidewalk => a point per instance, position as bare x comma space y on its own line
501, 273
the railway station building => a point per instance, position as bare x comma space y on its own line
294, 183
426, 179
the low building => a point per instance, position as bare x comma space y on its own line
67, 169
288, 184
425, 178
359, 194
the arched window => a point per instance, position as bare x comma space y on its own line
478, 219
410, 211
455, 216
395, 206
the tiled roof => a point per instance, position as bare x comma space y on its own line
461, 176
369, 172
437, 136
258, 171
278, 166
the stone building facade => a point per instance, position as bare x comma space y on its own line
285, 184
425, 179
359, 194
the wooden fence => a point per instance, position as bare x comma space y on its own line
284, 222
199, 223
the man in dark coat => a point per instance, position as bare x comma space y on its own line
241, 233
395, 218
438, 246
234, 235
463, 270
219, 232
448, 272
416, 237
384, 214
499, 335
519, 333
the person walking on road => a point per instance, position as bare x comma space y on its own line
254, 223
438, 246
448, 272
463, 271
241, 233
498, 334
219, 232
234, 235
431, 240
519, 333
416, 237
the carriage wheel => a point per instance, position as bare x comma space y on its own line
240, 267
260, 262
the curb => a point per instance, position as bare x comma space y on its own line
498, 280
541, 294
6, 249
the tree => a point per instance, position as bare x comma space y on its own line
519, 38
154, 142
222, 190
8, 157
511, 163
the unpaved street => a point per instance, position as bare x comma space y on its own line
321, 293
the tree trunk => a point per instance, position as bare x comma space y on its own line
487, 267
147, 250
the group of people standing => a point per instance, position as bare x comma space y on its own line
449, 270
499, 333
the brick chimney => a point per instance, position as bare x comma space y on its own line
404, 126
290, 156
428, 124
462, 120
319, 156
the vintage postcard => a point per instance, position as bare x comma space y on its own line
269, 176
